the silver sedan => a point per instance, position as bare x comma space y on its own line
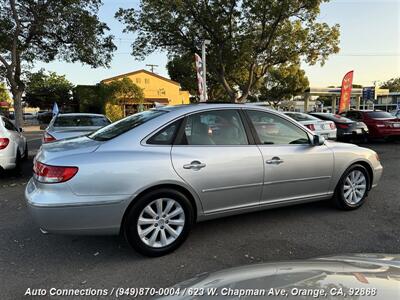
153, 174
69, 125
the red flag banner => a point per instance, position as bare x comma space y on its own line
345, 93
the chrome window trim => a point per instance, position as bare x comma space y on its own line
150, 135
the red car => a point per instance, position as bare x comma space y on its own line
381, 124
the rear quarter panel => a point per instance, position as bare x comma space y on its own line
123, 174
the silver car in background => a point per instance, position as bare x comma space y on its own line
350, 276
64, 126
155, 173
324, 128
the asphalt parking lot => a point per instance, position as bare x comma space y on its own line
29, 259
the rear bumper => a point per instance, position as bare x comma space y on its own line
352, 134
80, 215
328, 134
7, 162
384, 132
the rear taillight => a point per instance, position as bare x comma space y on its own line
47, 138
311, 127
342, 125
4, 143
332, 125
53, 174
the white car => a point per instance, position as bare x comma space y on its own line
13, 146
327, 129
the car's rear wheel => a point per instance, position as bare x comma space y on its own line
18, 160
26, 152
352, 188
159, 222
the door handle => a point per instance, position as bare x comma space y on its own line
194, 165
274, 161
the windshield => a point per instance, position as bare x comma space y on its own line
124, 125
301, 117
80, 121
379, 115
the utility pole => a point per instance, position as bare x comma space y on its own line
152, 67
203, 58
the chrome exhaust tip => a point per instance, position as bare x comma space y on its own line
43, 231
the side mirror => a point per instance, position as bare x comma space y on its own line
318, 140
20, 130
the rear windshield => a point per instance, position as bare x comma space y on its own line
73, 121
332, 117
301, 117
111, 131
379, 114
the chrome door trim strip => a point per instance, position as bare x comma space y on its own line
311, 198
290, 199
297, 180
232, 187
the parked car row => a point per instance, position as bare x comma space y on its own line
347, 129
381, 124
351, 125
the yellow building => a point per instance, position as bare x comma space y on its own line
157, 90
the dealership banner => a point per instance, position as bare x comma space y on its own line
199, 71
345, 93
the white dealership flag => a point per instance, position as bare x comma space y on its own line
55, 109
200, 82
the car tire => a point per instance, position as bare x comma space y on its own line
26, 152
352, 189
17, 170
150, 227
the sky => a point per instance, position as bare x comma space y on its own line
369, 42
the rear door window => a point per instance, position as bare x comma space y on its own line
166, 135
216, 127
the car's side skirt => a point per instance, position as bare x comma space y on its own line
263, 206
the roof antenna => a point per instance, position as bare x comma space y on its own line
152, 67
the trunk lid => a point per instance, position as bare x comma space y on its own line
67, 147
68, 132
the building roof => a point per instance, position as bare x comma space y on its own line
142, 71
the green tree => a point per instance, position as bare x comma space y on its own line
45, 30
43, 89
4, 95
248, 37
393, 85
283, 83
117, 93
89, 98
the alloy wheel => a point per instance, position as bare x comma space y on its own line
161, 222
355, 187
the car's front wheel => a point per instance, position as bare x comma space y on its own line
159, 222
352, 188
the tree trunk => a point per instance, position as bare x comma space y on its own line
17, 96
